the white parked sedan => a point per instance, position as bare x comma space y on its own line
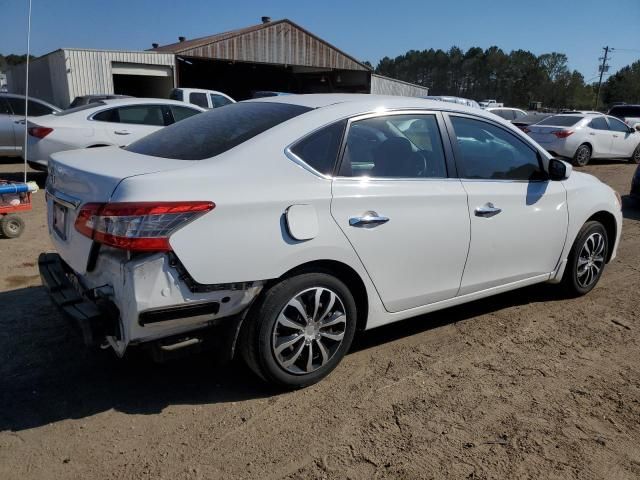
276, 228
103, 123
582, 137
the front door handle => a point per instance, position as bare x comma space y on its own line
122, 132
368, 220
487, 210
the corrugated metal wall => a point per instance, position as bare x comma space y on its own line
388, 86
282, 44
62, 75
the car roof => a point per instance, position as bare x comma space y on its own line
365, 101
142, 101
22, 97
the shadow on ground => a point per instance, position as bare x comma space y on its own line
630, 207
46, 375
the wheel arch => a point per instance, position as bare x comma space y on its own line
608, 221
344, 273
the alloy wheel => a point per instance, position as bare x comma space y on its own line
309, 330
583, 155
591, 260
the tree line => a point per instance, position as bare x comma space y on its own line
516, 78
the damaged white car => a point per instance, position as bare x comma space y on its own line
276, 228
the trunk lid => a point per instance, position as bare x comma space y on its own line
89, 176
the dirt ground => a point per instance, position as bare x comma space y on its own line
523, 385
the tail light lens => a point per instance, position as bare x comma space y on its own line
39, 132
137, 226
563, 133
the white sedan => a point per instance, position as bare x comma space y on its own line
583, 136
287, 224
103, 123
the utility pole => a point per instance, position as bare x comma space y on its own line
603, 68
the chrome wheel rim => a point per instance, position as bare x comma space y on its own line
583, 155
591, 260
309, 330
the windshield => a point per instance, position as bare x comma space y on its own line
561, 120
216, 131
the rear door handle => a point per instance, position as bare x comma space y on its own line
487, 210
122, 132
368, 220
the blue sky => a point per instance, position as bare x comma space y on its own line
367, 30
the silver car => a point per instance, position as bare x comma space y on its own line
12, 121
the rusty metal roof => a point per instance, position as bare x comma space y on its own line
280, 42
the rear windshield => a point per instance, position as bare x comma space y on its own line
561, 120
625, 111
216, 131
88, 106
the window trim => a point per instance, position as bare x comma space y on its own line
458, 155
115, 107
448, 154
608, 120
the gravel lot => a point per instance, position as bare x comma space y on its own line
523, 385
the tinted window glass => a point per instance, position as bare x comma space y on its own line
599, 123
35, 109
561, 120
219, 101
625, 111
488, 152
396, 146
199, 99
176, 94
4, 107
110, 115
617, 126
506, 114
216, 131
142, 115
320, 150
180, 113
518, 114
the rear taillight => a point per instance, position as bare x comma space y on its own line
137, 226
563, 133
39, 132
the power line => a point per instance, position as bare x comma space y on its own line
603, 68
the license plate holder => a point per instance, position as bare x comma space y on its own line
60, 220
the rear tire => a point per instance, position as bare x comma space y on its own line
635, 158
11, 226
582, 155
586, 260
299, 330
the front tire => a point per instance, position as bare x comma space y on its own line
582, 155
299, 330
587, 259
11, 226
635, 158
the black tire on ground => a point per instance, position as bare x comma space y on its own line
582, 155
586, 260
273, 321
11, 226
635, 158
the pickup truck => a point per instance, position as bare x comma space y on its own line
490, 103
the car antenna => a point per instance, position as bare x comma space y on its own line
26, 93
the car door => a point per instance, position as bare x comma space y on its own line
600, 137
398, 205
624, 141
7, 134
518, 218
126, 124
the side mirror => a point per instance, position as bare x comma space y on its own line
558, 170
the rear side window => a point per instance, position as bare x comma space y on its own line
485, 151
199, 99
219, 100
561, 120
624, 111
506, 114
216, 131
320, 150
176, 94
599, 123
35, 109
180, 113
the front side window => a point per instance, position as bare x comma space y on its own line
617, 126
599, 123
199, 99
394, 146
485, 151
320, 149
219, 100
216, 131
